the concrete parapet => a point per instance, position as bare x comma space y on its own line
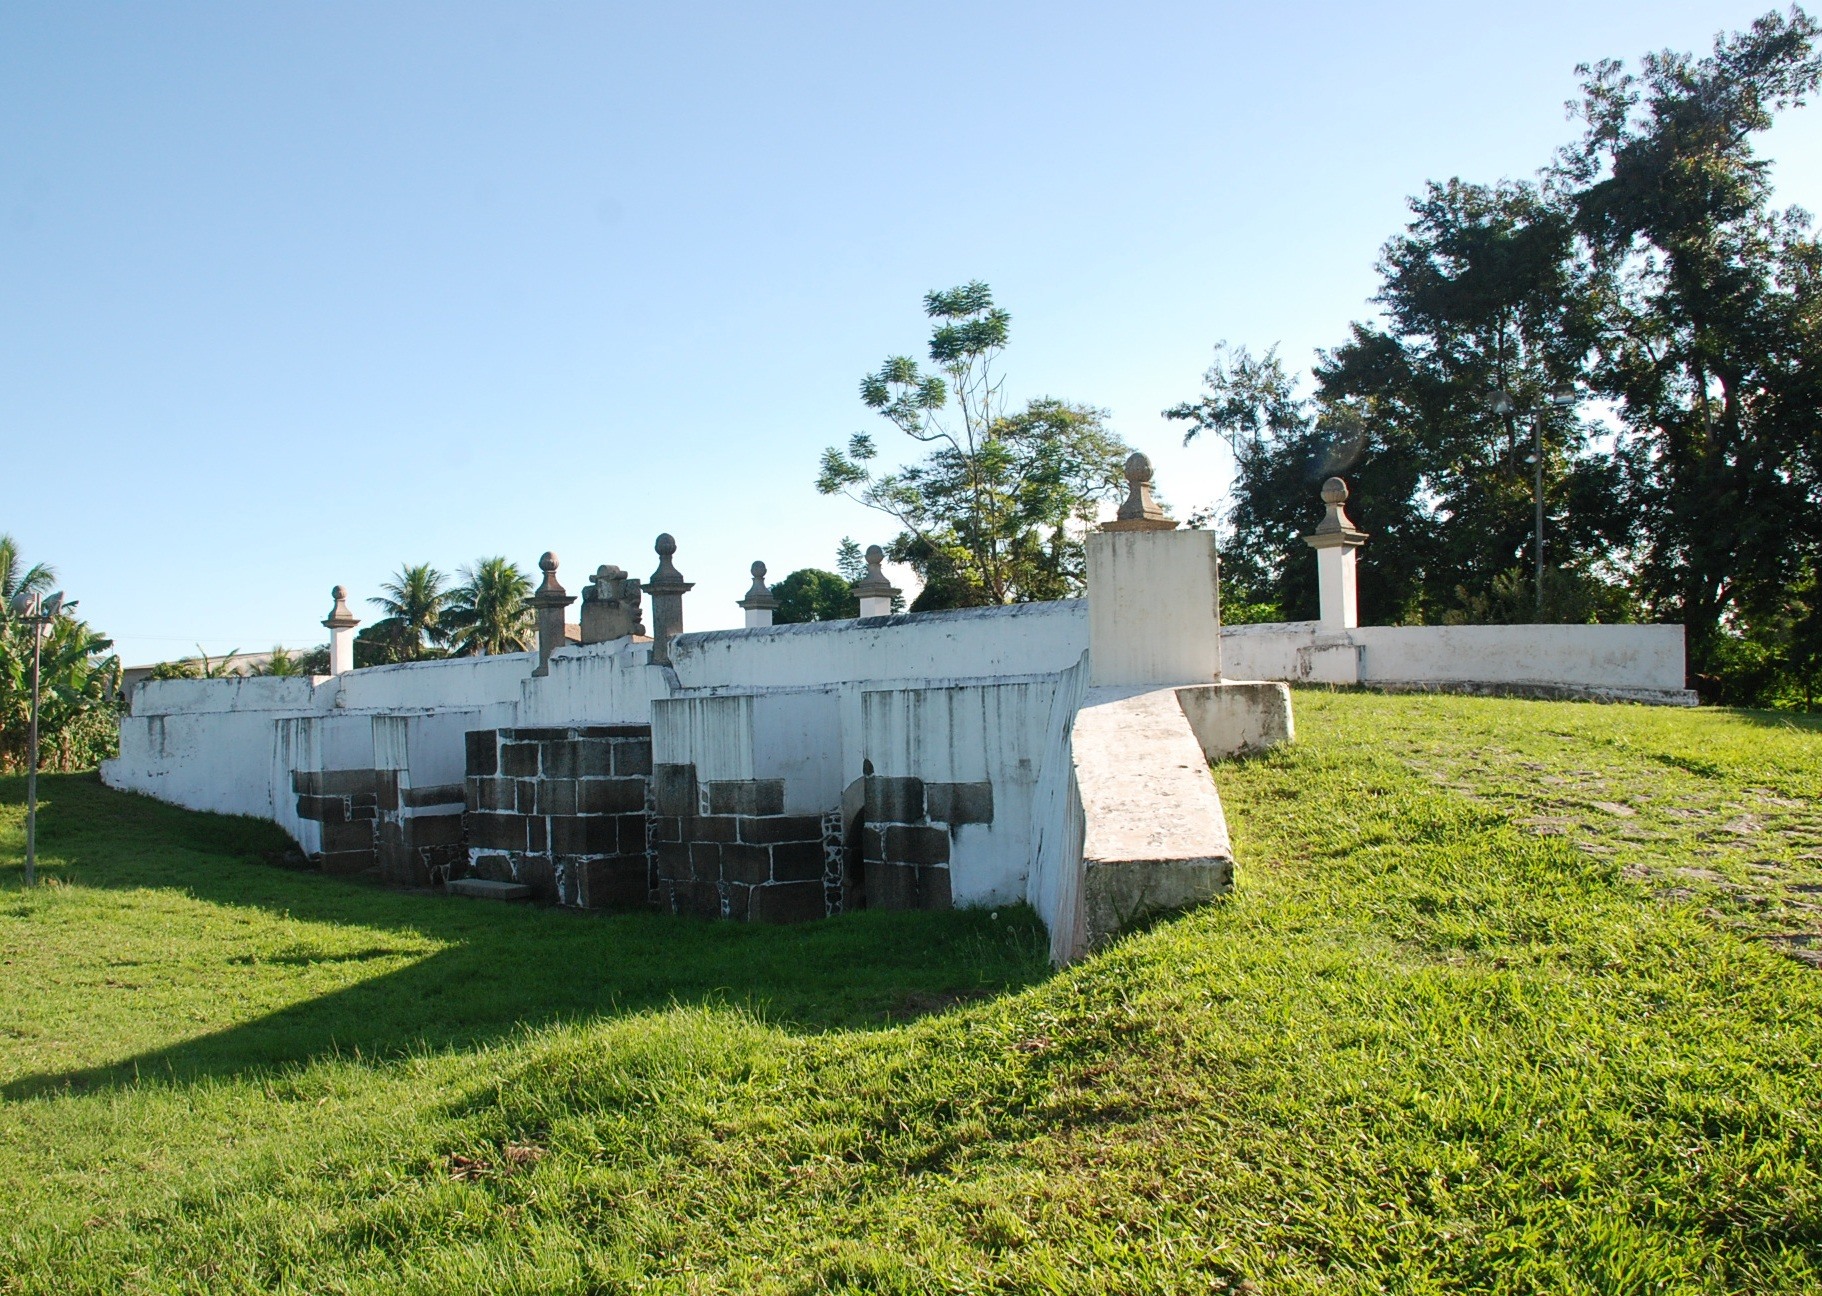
1154, 837
1237, 717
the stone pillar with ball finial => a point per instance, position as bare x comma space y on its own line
1154, 613
341, 623
874, 591
1335, 540
548, 603
667, 588
760, 601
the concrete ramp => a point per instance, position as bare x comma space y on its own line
1154, 836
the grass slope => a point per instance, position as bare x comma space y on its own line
1504, 1003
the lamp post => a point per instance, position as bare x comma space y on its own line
1504, 405
38, 613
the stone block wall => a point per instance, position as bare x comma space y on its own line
347, 805
369, 819
726, 849
421, 842
562, 811
906, 834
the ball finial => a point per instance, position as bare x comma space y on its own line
665, 545
758, 570
1138, 468
875, 555
338, 593
548, 562
1334, 491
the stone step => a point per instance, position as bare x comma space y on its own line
482, 889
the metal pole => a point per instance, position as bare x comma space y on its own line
31, 769
1537, 492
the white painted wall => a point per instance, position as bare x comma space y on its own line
1606, 660
1025, 639
1153, 601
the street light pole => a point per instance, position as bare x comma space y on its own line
37, 613
31, 768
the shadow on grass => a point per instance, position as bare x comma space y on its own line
497, 968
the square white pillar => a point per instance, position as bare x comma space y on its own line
1153, 607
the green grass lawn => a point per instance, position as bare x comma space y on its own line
1512, 997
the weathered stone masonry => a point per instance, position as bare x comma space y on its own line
561, 811
726, 849
905, 838
583, 817
372, 818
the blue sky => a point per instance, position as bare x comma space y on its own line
292, 294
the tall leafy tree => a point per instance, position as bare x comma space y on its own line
486, 613
995, 512
811, 594
16, 578
414, 601
1713, 338
79, 678
1648, 266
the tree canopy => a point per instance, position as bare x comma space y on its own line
996, 510
1644, 268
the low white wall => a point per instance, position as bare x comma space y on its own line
1626, 657
1644, 661
1024, 639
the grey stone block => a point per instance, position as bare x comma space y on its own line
787, 902
798, 861
307, 782
537, 834
872, 844
594, 757
895, 800
495, 794
633, 756
321, 809
714, 828
557, 796
612, 796
347, 837
907, 886
483, 752
613, 884
615, 731
495, 831
484, 889
433, 830
674, 787
705, 861
959, 803
780, 828
560, 759
490, 865
437, 795
519, 760
673, 861
749, 864
350, 782
916, 844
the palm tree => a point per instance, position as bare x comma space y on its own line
77, 678
17, 578
414, 602
486, 613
